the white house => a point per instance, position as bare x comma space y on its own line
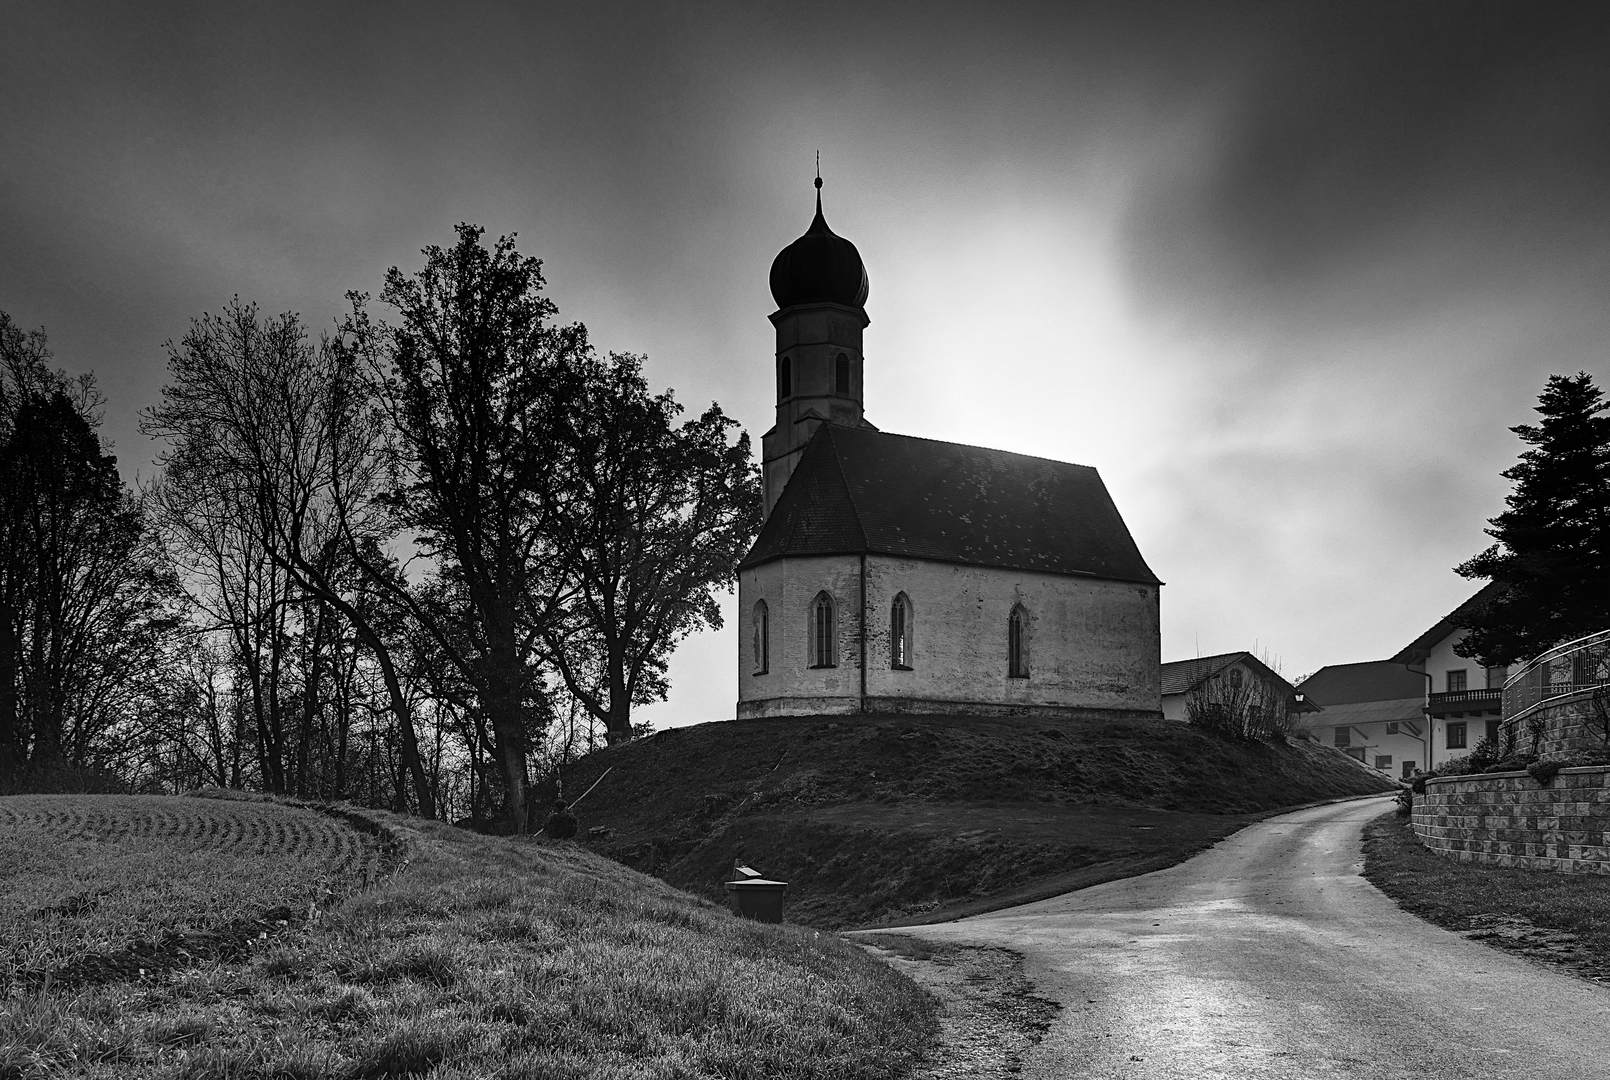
1415, 711
904, 575
1226, 677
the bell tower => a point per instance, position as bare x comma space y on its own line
820, 285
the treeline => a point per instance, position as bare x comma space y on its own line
413, 562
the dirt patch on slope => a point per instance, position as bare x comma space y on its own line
989, 1015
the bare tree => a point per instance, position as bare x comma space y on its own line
656, 518
473, 374
274, 468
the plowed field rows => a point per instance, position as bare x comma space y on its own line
86, 876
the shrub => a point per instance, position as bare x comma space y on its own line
1544, 772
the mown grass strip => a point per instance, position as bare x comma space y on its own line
1559, 919
488, 957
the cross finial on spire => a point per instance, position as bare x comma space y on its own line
818, 183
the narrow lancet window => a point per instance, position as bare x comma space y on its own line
762, 638
824, 643
900, 633
841, 375
785, 379
1017, 643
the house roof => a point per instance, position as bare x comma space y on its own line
1417, 650
1373, 680
1358, 713
1183, 676
1180, 676
862, 490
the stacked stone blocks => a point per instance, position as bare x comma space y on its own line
1509, 819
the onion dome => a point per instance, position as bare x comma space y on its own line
819, 267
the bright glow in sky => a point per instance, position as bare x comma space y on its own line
1284, 274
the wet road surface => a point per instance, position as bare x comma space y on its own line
1269, 956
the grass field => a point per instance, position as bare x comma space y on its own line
102, 886
1560, 919
465, 956
883, 820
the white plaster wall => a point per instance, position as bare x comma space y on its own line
1373, 738
1092, 644
1443, 660
789, 587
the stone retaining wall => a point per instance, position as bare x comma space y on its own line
1508, 819
1562, 727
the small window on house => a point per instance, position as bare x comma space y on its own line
841, 375
1456, 736
1408, 769
762, 643
1391, 727
1383, 761
1491, 734
1497, 677
1344, 736
824, 641
900, 633
1017, 643
1456, 681
785, 379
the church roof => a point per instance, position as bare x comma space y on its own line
861, 490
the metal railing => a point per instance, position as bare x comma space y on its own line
1583, 664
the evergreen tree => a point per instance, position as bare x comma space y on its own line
1553, 549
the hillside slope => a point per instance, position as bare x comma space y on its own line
190, 937
887, 818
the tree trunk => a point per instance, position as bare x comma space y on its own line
10, 744
618, 724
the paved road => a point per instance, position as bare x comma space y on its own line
1269, 956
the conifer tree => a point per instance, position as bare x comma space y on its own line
1553, 543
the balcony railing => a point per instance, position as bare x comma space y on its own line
1576, 666
1466, 701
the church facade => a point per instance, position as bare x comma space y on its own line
896, 575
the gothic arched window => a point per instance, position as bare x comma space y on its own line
785, 378
1017, 643
841, 375
762, 638
824, 632
900, 633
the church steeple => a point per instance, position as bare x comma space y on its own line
820, 285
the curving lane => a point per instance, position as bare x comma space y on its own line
1269, 956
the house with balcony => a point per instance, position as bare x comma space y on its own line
1423, 706
1464, 701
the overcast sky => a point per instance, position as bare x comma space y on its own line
1284, 273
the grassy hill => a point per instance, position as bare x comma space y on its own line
202, 937
884, 819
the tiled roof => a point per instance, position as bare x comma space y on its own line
1373, 680
862, 490
1179, 676
1354, 713
1418, 649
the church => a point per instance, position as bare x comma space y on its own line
897, 575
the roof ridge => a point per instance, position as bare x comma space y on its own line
969, 446
849, 490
